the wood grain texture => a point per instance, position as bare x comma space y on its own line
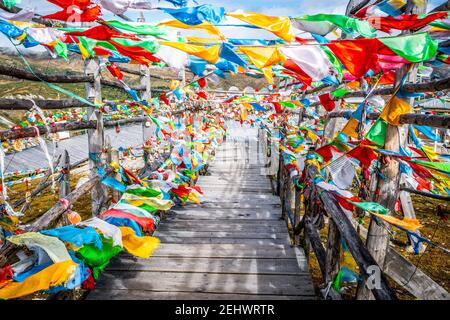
231, 246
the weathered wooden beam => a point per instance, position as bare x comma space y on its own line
409, 276
42, 185
425, 194
59, 208
27, 104
96, 136
140, 73
316, 244
64, 181
357, 248
12, 71
410, 118
30, 132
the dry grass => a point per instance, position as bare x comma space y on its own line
434, 262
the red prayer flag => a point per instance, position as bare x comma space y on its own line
326, 152
404, 22
328, 103
138, 54
365, 155
88, 15
299, 73
115, 71
278, 107
202, 95
82, 4
202, 82
358, 56
147, 224
387, 78
164, 99
102, 33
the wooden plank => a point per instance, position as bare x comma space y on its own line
183, 240
233, 191
219, 197
237, 205
224, 225
117, 294
208, 282
409, 276
412, 278
220, 234
225, 214
243, 180
208, 265
224, 251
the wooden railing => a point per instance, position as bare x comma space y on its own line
306, 208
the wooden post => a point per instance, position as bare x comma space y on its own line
96, 136
387, 190
64, 182
297, 214
116, 195
146, 125
332, 263
64, 187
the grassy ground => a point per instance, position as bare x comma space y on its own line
434, 262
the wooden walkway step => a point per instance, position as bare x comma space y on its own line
233, 245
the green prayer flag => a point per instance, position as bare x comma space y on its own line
415, 48
377, 134
288, 104
139, 28
346, 24
149, 45
371, 207
338, 93
61, 49
334, 60
441, 166
97, 259
144, 192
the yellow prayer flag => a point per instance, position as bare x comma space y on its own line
263, 57
394, 109
429, 151
208, 27
210, 54
174, 84
142, 247
405, 223
203, 40
350, 128
280, 26
268, 74
52, 276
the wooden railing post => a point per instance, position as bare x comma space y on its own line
146, 125
297, 214
64, 182
116, 195
387, 191
96, 136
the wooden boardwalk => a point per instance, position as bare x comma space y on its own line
232, 246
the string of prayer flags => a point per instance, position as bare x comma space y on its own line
210, 54
197, 15
280, 26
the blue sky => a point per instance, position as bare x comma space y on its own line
272, 7
269, 7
